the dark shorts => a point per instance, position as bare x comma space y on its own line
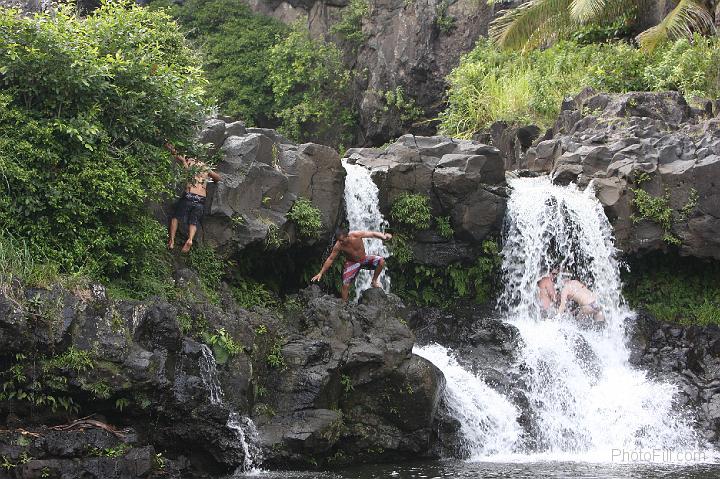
189, 208
352, 268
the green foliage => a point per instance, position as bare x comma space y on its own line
209, 267
73, 359
658, 210
310, 85
412, 211
400, 249
307, 217
274, 238
349, 27
223, 345
491, 85
85, 104
399, 102
346, 383
675, 289
18, 262
432, 286
249, 293
112, 452
538, 23
444, 21
275, 358
443, 226
235, 43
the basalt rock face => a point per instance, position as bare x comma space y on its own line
650, 141
464, 180
263, 174
98, 388
350, 389
688, 357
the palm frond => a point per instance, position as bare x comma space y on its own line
585, 11
514, 28
687, 17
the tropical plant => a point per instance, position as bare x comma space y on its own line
542, 22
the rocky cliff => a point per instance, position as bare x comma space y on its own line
100, 388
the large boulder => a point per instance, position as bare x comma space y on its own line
463, 179
651, 141
263, 174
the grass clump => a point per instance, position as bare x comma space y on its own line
528, 87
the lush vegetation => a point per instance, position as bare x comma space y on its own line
443, 286
411, 211
675, 289
491, 85
540, 22
307, 218
84, 107
349, 27
267, 73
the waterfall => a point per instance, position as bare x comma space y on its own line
247, 436
488, 420
586, 397
208, 373
586, 401
242, 426
363, 213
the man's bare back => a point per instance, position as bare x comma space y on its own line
574, 290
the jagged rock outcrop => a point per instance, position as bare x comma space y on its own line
463, 179
686, 356
650, 141
263, 174
325, 382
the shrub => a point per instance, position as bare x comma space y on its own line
491, 85
307, 217
443, 226
235, 43
311, 86
84, 107
349, 27
412, 210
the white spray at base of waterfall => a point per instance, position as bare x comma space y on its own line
363, 213
242, 426
587, 402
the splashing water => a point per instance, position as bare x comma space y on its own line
488, 421
363, 213
243, 427
209, 375
587, 403
247, 436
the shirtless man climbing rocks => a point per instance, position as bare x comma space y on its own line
191, 204
351, 244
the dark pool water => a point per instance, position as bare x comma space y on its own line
551, 470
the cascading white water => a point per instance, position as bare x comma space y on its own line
247, 436
587, 402
208, 373
242, 426
488, 420
363, 213
587, 399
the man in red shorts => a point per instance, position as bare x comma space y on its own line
352, 245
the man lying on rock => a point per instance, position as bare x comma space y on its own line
191, 204
352, 245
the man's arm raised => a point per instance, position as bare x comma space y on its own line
215, 177
326, 265
179, 158
371, 234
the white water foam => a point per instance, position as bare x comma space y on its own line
242, 426
488, 420
363, 213
587, 402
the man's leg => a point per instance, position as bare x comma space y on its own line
172, 229
192, 229
378, 270
345, 292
